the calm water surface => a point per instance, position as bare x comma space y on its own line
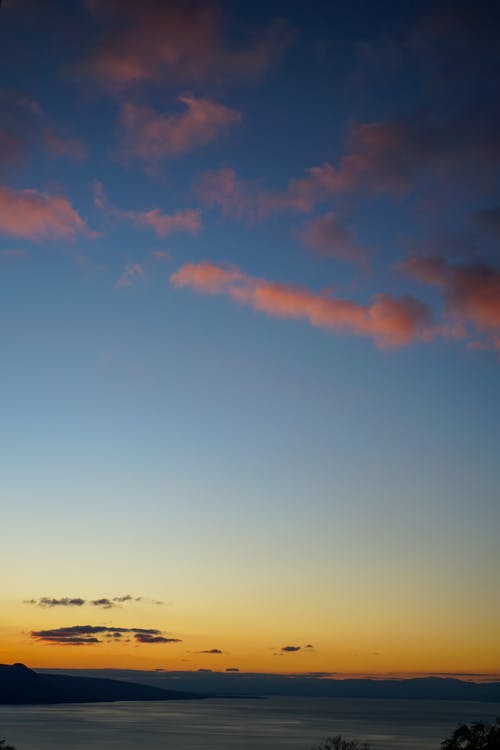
248, 724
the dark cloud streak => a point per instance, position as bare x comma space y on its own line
66, 601
211, 651
89, 635
104, 602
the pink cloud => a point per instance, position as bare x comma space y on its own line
176, 43
225, 190
161, 255
17, 132
331, 239
242, 199
207, 277
471, 292
188, 220
101, 200
151, 136
381, 157
391, 156
304, 193
59, 146
132, 273
32, 215
389, 321
26, 127
164, 224
11, 149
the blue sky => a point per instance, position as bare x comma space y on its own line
265, 395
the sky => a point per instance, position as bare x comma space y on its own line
250, 335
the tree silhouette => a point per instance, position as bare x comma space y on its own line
3, 745
338, 743
475, 736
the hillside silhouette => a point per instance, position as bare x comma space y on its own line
247, 684
20, 685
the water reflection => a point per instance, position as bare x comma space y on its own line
269, 724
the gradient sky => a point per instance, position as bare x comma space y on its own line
250, 326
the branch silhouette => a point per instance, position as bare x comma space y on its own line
339, 743
474, 736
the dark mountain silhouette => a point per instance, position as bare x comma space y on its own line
426, 688
314, 685
20, 685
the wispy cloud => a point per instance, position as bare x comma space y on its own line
104, 602
36, 216
471, 291
161, 256
176, 43
151, 136
223, 189
77, 601
27, 128
49, 602
389, 321
11, 149
132, 273
391, 156
388, 157
242, 199
187, 220
60, 146
330, 238
165, 224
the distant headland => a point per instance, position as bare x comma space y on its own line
21, 685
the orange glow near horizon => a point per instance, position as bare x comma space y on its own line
342, 655
250, 336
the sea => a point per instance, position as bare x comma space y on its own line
234, 724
